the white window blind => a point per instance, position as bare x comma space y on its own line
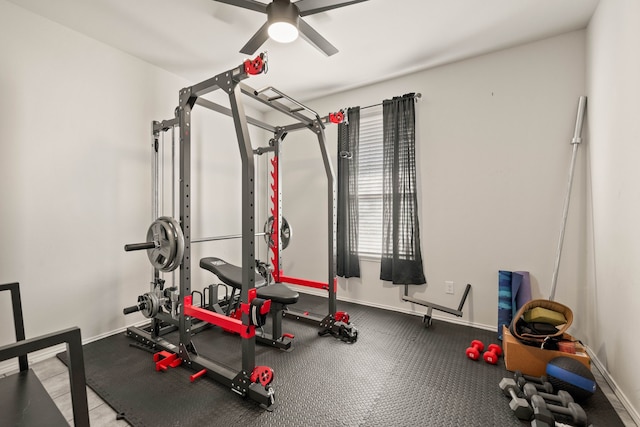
370, 182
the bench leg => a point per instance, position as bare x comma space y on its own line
276, 319
275, 338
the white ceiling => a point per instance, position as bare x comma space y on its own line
377, 39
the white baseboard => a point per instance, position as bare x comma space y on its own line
436, 315
11, 366
633, 412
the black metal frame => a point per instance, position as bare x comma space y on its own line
317, 126
230, 83
427, 319
71, 337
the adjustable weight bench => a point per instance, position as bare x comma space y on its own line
279, 294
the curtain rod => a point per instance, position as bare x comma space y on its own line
415, 95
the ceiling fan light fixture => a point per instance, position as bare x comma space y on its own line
282, 17
283, 32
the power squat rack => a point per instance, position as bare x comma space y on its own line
169, 242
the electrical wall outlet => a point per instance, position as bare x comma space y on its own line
448, 287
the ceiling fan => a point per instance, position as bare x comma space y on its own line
284, 22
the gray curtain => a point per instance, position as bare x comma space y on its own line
348, 263
401, 261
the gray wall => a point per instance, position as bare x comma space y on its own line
611, 291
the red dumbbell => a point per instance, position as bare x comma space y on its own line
473, 352
492, 354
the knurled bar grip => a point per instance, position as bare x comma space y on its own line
139, 246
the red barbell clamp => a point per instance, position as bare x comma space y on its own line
342, 316
256, 66
337, 117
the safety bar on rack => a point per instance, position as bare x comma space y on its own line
308, 283
225, 322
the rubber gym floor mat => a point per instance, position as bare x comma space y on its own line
398, 373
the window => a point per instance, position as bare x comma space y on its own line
370, 182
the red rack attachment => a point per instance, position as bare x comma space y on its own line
197, 375
227, 323
337, 117
165, 360
275, 233
263, 375
255, 66
342, 316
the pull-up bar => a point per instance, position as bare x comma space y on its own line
280, 95
305, 122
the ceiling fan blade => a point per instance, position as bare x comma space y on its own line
314, 38
309, 7
246, 4
256, 41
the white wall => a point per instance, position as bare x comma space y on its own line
493, 158
76, 176
613, 281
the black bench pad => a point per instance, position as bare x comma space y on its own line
279, 293
230, 274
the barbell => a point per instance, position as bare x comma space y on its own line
165, 241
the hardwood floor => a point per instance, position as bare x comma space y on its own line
55, 378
